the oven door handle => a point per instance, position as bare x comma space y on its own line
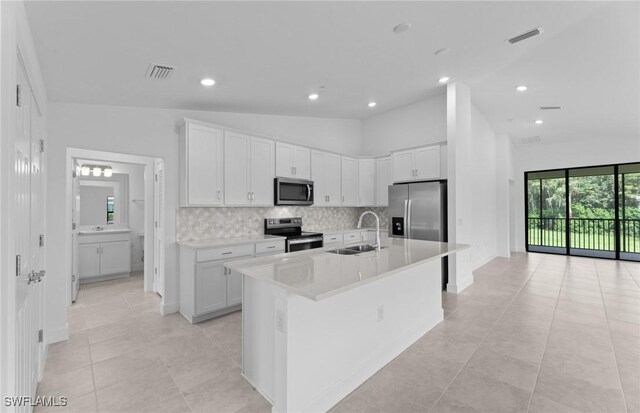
305, 240
308, 193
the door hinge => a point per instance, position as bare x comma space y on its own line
74, 174
156, 177
73, 277
73, 226
41, 145
41, 240
18, 264
155, 270
156, 224
18, 96
40, 336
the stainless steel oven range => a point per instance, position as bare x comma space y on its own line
291, 228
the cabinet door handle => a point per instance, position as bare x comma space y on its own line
343, 199
218, 194
271, 247
292, 173
249, 196
227, 253
97, 250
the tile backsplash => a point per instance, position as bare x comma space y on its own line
193, 224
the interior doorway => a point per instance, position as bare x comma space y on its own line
116, 231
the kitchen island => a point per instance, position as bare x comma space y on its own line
316, 325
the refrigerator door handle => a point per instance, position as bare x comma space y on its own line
406, 214
408, 231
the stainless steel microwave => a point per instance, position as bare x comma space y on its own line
291, 191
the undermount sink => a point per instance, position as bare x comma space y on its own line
343, 251
357, 249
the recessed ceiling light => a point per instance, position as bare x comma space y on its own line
443, 79
442, 51
402, 27
207, 82
372, 104
521, 88
313, 96
539, 122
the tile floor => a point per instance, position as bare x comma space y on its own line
536, 333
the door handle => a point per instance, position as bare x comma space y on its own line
249, 196
295, 170
409, 220
308, 193
406, 215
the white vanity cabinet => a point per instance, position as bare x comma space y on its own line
103, 253
201, 164
207, 288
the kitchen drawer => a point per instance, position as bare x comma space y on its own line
231, 251
332, 239
270, 247
352, 237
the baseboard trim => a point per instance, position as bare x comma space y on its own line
169, 308
459, 287
485, 261
137, 267
58, 335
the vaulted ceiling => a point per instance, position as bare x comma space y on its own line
267, 57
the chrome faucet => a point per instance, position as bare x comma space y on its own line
377, 244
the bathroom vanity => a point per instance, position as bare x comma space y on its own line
104, 254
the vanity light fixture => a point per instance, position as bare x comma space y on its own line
96, 170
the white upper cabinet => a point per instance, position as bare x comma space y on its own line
293, 161
383, 180
325, 173
416, 164
201, 165
366, 182
248, 178
236, 169
427, 162
349, 181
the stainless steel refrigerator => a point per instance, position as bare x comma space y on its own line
419, 211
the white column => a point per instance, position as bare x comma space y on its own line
459, 196
503, 210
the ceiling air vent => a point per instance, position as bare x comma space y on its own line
530, 140
161, 72
550, 108
525, 36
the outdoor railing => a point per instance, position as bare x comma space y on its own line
585, 233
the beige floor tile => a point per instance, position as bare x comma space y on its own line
195, 368
72, 383
114, 347
472, 389
134, 365
67, 360
113, 330
354, 404
447, 404
507, 369
228, 392
108, 316
541, 404
77, 339
79, 404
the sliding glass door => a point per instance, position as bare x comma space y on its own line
591, 211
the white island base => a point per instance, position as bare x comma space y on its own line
305, 355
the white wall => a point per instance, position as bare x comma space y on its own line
152, 133
586, 152
420, 123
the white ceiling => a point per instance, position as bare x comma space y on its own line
266, 57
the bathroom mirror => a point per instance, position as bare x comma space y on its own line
102, 202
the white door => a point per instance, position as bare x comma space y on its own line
349, 181
366, 182
115, 257
383, 180
236, 169
88, 260
427, 162
284, 160
402, 166
332, 179
204, 154
301, 162
75, 225
37, 221
158, 230
28, 303
317, 176
262, 171
211, 286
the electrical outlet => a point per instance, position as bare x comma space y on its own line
380, 313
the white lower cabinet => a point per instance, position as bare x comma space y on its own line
207, 288
103, 254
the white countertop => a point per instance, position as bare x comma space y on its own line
104, 231
222, 242
317, 274
326, 231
